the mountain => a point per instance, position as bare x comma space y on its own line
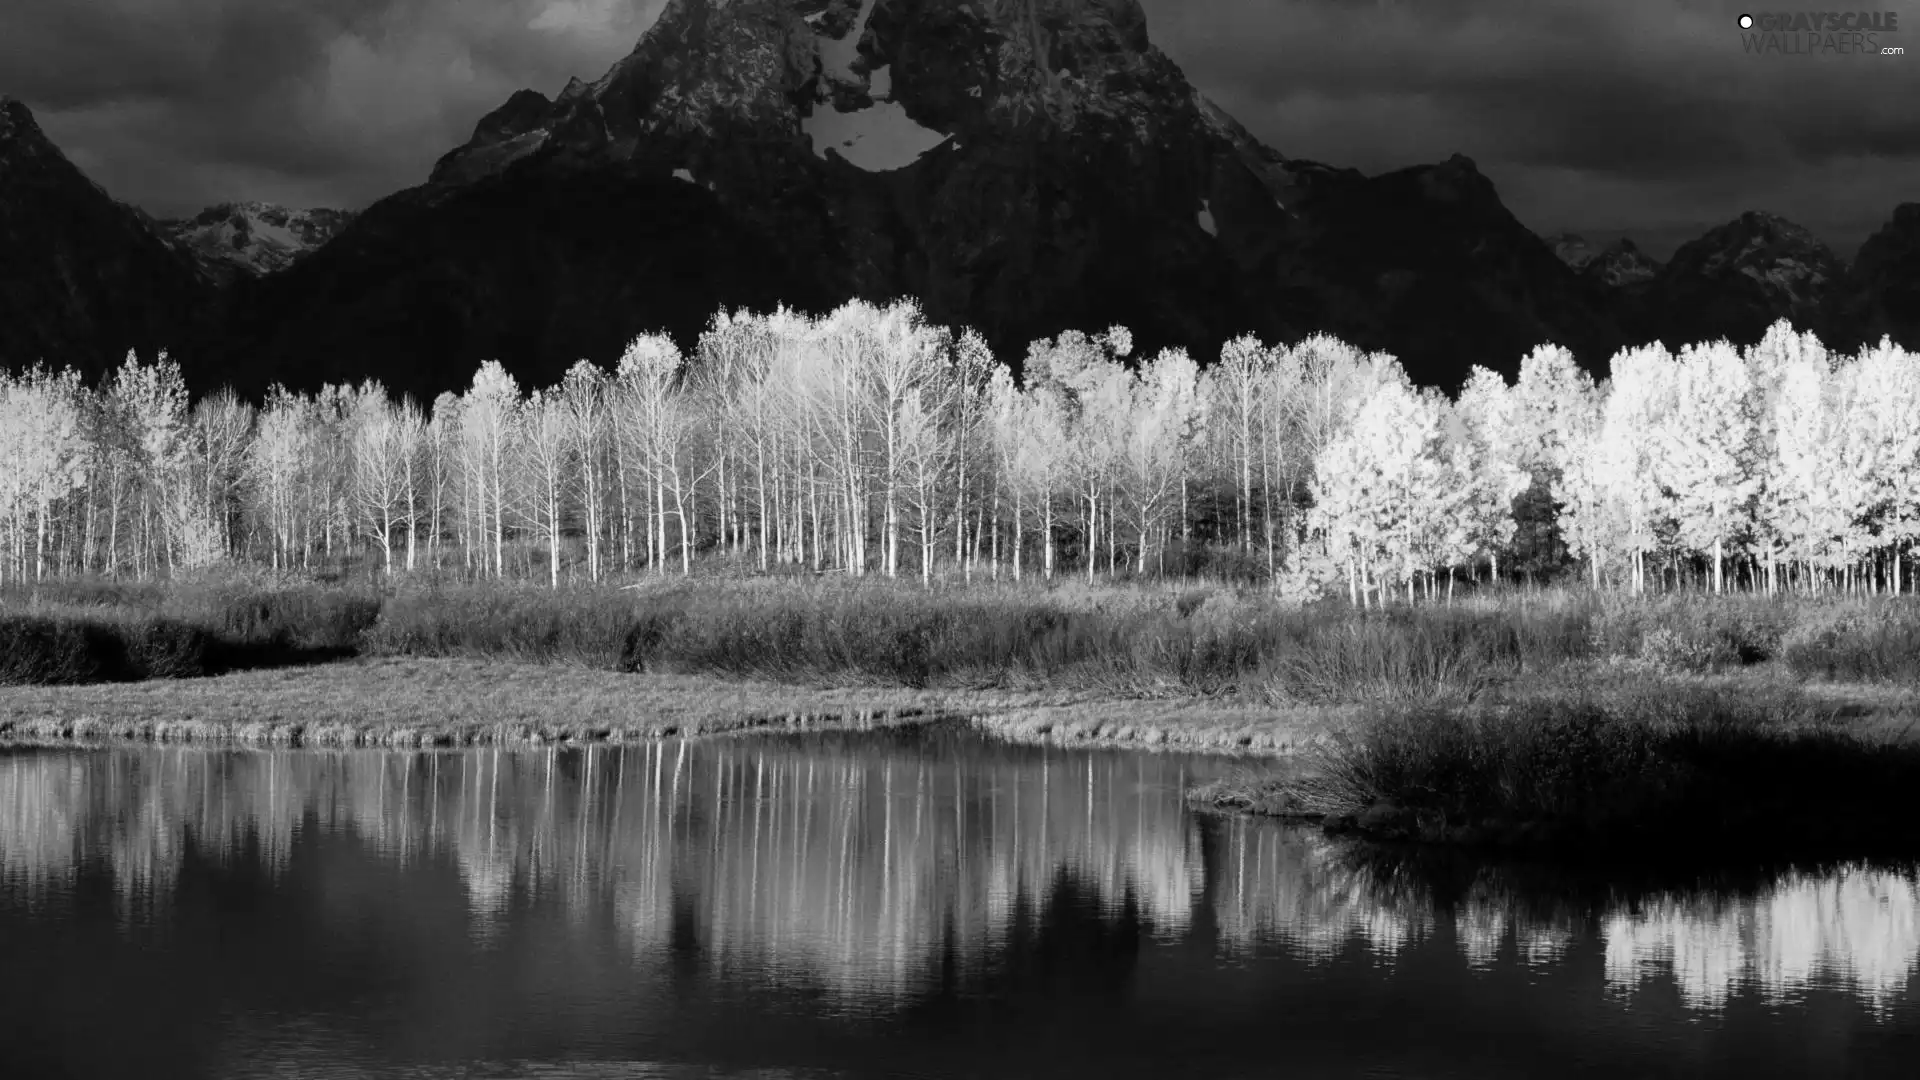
1619, 264
253, 238
83, 278
1738, 278
1021, 166
1735, 281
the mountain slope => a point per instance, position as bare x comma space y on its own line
520, 271
83, 278
1428, 264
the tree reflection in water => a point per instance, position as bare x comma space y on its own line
653, 894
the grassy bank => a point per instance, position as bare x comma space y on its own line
405, 702
1627, 765
458, 702
1173, 665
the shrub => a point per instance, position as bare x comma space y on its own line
1658, 768
586, 626
1878, 641
92, 631
1676, 650
69, 649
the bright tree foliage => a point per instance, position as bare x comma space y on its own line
867, 441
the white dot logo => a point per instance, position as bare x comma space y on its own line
1746, 22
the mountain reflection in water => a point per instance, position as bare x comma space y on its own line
920, 903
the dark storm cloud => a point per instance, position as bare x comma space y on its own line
173, 104
1587, 114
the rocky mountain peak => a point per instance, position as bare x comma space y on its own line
1018, 166
1453, 179
1616, 265
521, 113
877, 82
16, 120
1781, 258
253, 238
1454, 191
1736, 279
1622, 263
25, 146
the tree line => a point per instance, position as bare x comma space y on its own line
870, 442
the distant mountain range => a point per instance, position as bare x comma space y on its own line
1020, 166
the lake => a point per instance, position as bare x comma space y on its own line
920, 903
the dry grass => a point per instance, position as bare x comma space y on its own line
1191, 725
453, 701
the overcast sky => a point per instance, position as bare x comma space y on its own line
1601, 116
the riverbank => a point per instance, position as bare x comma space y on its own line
1606, 757
465, 701
450, 701
1508, 720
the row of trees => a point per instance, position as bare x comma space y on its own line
869, 441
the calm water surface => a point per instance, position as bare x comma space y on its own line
921, 904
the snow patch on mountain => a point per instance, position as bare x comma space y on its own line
1571, 249
1206, 218
878, 138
